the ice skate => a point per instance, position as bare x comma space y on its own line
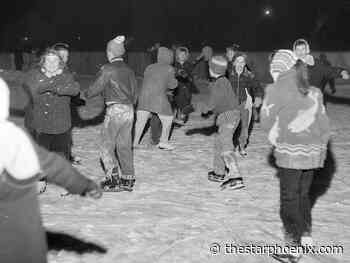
111, 182
165, 146
127, 185
242, 151
214, 177
232, 184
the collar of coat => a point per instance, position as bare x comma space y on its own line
116, 59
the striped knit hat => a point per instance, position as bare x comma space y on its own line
282, 61
218, 64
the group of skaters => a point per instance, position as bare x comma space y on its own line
292, 113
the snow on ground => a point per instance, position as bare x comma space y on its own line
175, 213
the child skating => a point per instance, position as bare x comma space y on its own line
224, 104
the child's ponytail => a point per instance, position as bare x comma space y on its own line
302, 77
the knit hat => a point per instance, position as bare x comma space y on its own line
165, 55
116, 46
4, 100
282, 61
218, 65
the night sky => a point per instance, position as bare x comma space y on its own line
87, 25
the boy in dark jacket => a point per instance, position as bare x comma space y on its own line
22, 163
183, 93
118, 85
246, 88
224, 104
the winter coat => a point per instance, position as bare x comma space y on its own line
222, 97
298, 125
244, 83
158, 80
320, 72
183, 74
49, 109
201, 70
116, 82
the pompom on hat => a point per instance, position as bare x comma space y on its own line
116, 46
218, 65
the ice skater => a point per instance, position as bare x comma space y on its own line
224, 104
117, 82
295, 118
159, 80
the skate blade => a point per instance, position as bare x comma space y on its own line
215, 179
236, 187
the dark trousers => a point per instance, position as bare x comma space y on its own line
156, 128
295, 209
58, 143
182, 99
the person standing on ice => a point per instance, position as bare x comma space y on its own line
22, 164
246, 88
317, 71
159, 80
224, 104
298, 127
183, 92
117, 83
48, 113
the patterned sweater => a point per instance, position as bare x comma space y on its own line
298, 125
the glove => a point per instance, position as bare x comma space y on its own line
93, 190
344, 74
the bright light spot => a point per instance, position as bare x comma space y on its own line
26, 38
78, 37
267, 12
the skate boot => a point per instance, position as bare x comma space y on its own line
111, 182
165, 146
232, 184
289, 256
214, 177
242, 151
127, 184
